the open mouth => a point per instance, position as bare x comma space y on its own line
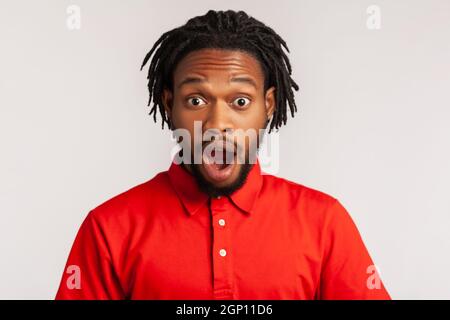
219, 160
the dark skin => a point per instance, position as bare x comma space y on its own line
216, 101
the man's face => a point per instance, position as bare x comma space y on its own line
224, 90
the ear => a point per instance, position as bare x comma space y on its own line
270, 101
167, 100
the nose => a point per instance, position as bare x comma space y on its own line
219, 117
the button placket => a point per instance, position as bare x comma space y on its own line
221, 250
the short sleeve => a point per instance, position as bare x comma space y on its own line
348, 272
89, 273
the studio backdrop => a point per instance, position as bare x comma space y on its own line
372, 127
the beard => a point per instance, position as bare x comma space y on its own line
214, 191
210, 188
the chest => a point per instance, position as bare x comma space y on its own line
219, 256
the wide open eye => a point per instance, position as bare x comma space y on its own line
241, 102
196, 101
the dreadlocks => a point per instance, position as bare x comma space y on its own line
223, 30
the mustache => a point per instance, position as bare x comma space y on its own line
242, 154
222, 143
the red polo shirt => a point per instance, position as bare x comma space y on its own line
271, 239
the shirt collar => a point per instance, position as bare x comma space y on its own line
193, 198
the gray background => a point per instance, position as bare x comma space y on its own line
372, 129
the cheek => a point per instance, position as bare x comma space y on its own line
184, 117
183, 122
253, 117
254, 120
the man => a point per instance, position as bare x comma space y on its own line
208, 227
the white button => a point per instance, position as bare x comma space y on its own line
221, 222
218, 197
223, 252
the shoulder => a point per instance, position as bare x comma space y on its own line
307, 203
133, 201
314, 209
298, 193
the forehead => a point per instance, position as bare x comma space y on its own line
218, 63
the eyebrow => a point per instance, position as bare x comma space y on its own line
240, 79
